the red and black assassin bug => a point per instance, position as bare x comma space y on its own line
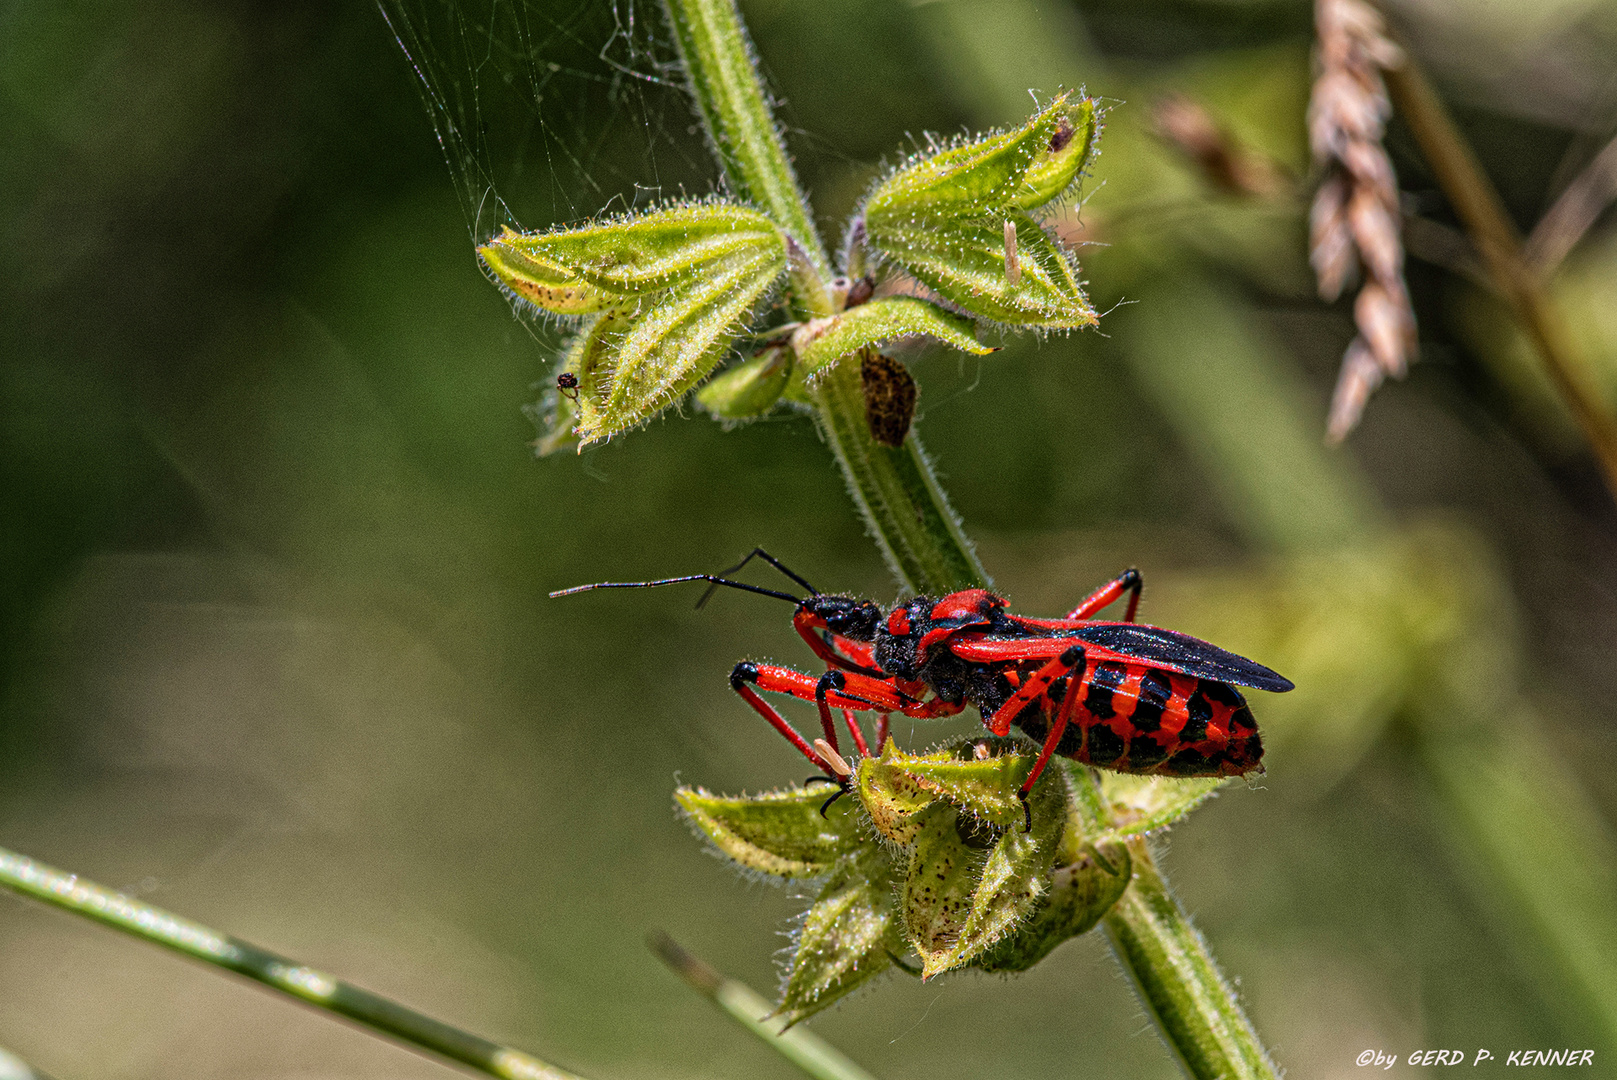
1118, 695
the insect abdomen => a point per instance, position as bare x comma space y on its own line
1138, 719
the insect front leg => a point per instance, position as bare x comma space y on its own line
1129, 581
834, 690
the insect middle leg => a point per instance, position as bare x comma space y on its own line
1129, 581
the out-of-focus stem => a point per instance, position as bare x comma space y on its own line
382, 1016
1537, 855
1194, 1006
798, 1045
1479, 207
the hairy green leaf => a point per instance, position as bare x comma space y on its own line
968, 263
1062, 160
657, 353
627, 257
821, 342
546, 285
1080, 895
1013, 880
939, 882
780, 833
986, 174
891, 795
1142, 804
849, 935
958, 220
985, 787
749, 389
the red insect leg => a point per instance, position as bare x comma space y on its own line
856, 732
1036, 686
776, 720
1128, 581
842, 690
1069, 706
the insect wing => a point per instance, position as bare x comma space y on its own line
1180, 652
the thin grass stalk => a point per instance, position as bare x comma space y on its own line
800, 1046
378, 1014
13, 1067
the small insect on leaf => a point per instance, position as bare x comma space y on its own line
578, 384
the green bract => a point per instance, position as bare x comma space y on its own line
749, 389
660, 298
850, 934
958, 220
821, 342
779, 833
670, 292
928, 854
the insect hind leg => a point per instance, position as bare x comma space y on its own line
1129, 581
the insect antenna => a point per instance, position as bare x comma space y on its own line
714, 579
756, 553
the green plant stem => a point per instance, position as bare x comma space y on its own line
415, 1030
1479, 207
906, 510
735, 111
801, 1047
895, 489
1194, 1006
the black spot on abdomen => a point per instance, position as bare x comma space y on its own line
1155, 692
1198, 711
1103, 687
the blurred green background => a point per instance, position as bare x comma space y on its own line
274, 641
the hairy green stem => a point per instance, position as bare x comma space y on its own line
903, 505
415, 1030
1194, 1006
895, 489
735, 111
801, 1047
